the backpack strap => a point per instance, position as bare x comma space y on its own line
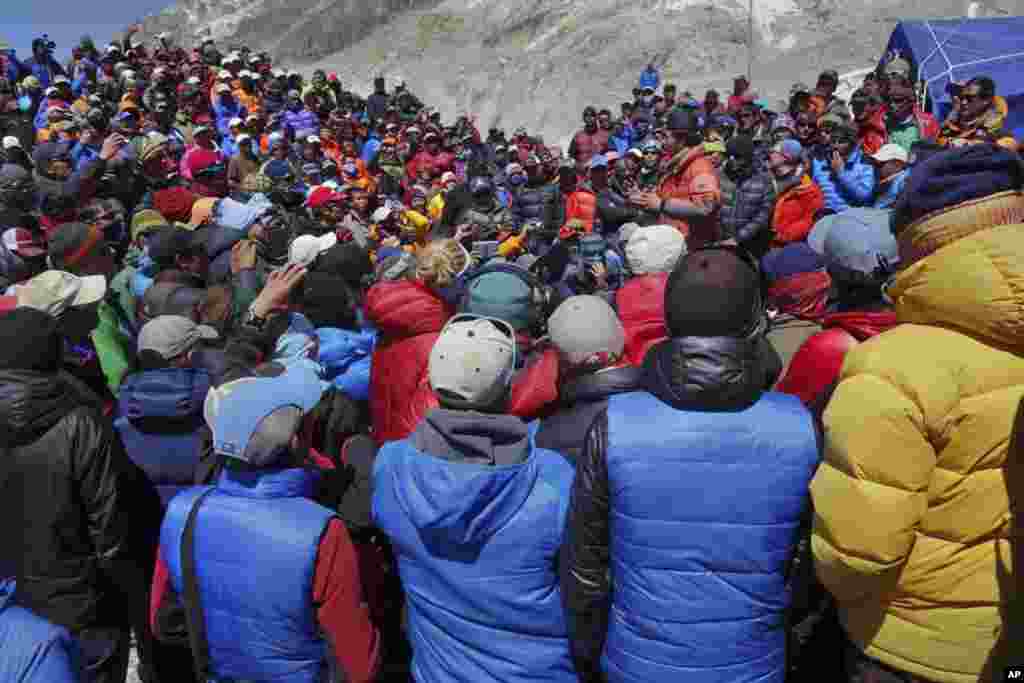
194, 616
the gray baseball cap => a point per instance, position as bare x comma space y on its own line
585, 325
172, 336
472, 361
858, 239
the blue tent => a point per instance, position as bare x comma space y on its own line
944, 50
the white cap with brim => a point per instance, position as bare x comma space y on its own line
891, 152
10, 142
472, 361
305, 248
55, 291
583, 326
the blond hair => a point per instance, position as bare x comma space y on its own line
439, 262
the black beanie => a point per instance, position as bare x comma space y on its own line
740, 146
327, 301
712, 293
348, 261
29, 340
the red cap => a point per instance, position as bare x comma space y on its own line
322, 196
332, 77
23, 243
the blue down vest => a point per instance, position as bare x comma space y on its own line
256, 542
161, 420
476, 548
704, 516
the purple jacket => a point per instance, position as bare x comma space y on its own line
303, 121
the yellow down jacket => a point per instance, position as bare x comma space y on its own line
912, 526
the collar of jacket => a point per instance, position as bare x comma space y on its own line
712, 374
594, 386
294, 482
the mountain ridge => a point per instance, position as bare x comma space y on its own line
539, 62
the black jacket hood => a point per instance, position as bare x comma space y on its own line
31, 403
710, 373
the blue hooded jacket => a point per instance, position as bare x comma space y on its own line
345, 356
853, 186
34, 650
477, 547
161, 424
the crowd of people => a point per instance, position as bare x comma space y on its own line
301, 386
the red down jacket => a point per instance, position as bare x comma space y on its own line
409, 317
641, 306
816, 364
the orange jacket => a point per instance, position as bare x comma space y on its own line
795, 208
693, 178
581, 205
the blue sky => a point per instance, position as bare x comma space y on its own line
67, 20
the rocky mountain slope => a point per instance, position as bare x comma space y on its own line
539, 62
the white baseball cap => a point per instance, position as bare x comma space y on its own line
55, 291
381, 214
891, 152
472, 362
236, 123
654, 249
305, 248
10, 142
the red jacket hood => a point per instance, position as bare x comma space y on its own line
861, 324
405, 309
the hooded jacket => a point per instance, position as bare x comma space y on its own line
409, 317
82, 517
817, 362
913, 523
35, 651
475, 514
161, 424
655, 589
852, 186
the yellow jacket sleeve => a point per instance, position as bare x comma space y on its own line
870, 492
510, 247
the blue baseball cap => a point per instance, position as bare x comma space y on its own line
235, 409
857, 239
599, 161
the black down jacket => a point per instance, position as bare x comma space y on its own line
80, 519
